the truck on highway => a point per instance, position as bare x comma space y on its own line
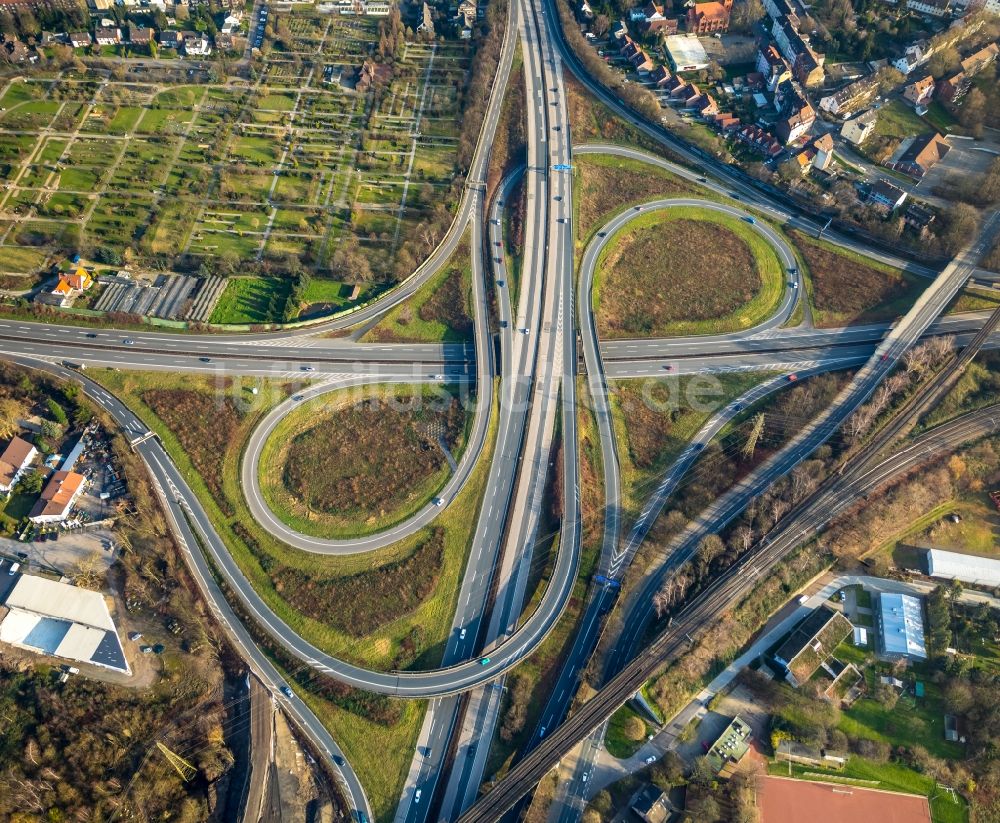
69, 364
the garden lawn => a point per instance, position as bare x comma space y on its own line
252, 300
685, 271
616, 741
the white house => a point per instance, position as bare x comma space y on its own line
14, 460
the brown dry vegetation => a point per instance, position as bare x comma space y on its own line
992, 260
656, 275
847, 290
204, 424
593, 122
369, 457
509, 147
361, 603
608, 184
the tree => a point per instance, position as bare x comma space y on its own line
634, 729
972, 115
11, 412
745, 15
30, 483
943, 62
600, 25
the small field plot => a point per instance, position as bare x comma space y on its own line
847, 288
685, 271
252, 300
346, 464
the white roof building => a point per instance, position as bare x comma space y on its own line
685, 52
901, 625
965, 567
49, 617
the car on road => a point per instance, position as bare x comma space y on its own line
438, 501
885, 356
287, 692
308, 368
586, 777
500, 283
497, 243
650, 759
792, 378
668, 367
794, 285
523, 330
541, 732
13, 568
484, 661
638, 208
560, 219
602, 234
497, 260
437, 377
702, 180
461, 634
558, 198
338, 760
793, 270
91, 335
297, 398
205, 359
748, 219
128, 341
417, 795
557, 128
503, 324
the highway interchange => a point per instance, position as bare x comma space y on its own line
535, 382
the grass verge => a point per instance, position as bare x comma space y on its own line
655, 279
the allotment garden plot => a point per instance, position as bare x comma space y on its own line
326, 146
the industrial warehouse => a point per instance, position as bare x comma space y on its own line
49, 617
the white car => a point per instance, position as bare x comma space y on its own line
416, 795
651, 759
438, 501
461, 634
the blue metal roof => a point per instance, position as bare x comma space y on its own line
902, 625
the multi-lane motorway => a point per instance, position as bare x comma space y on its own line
534, 383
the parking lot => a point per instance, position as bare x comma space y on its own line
967, 159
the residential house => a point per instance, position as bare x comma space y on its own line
704, 104
916, 54
619, 30
807, 65
776, 9
232, 23
858, 129
79, 39
57, 498
824, 152
773, 67
426, 23
792, 126
708, 18
652, 805
641, 61
197, 45
919, 92
659, 76
952, 89
171, 39
975, 63
14, 51
853, 97
886, 195
140, 35
105, 36
585, 12
932, 8
16, 457
759, 140
69, 285
919, 218
916, 156
654, 21
467, 13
